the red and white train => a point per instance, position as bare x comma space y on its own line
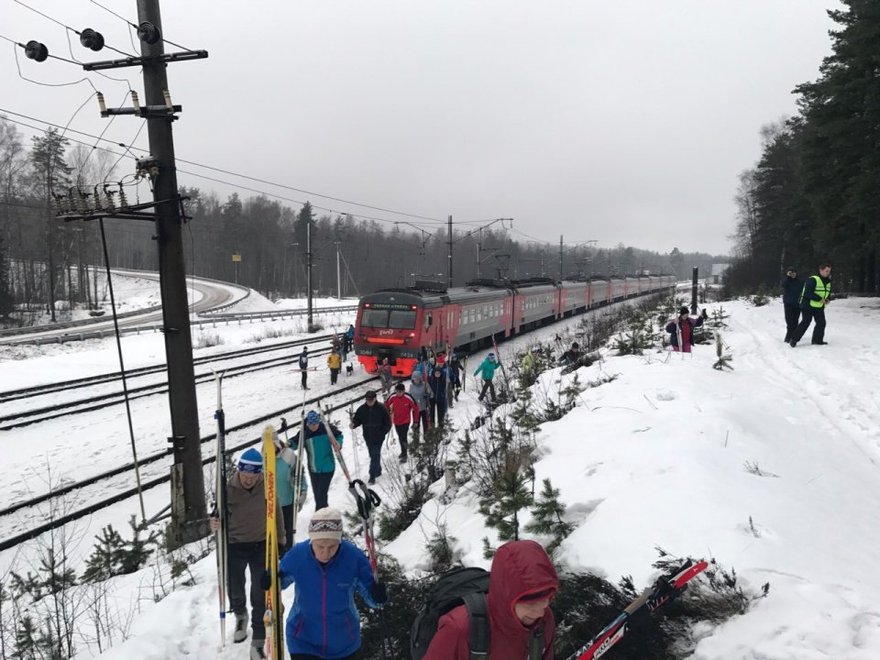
397, 323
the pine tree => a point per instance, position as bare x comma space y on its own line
512, 494
6, 301
26, 639
548, 514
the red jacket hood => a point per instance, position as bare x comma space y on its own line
519, 568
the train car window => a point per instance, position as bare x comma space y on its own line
402, 320
375, 318
428, 321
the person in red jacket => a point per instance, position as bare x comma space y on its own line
403, 409
521, 584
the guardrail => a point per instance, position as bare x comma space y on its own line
213, 321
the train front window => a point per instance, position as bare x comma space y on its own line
402, 320
375, 318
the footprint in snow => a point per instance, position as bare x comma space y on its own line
666, 395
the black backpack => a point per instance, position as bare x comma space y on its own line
467, 586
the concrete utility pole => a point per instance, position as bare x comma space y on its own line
449, 254
560, 256
188, 510
338, 276
695, 278
309, 273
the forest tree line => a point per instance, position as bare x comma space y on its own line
814, 195
44, 260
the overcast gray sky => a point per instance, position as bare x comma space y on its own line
620, 121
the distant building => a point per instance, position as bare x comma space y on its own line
717, 273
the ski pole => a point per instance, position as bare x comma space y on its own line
220, 506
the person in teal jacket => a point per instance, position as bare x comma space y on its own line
486, 371
285, 485
321, 462
326, 571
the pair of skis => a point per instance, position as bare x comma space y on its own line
652, 599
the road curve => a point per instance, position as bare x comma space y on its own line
211, 295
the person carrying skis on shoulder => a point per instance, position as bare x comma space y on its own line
334, 361
522, 582
438, 402
403, 409
246, 531
385, 377
486, 371
421, 393
683, 326
303, 363
326, 571
376, 422
456, 376
321, 462
285, 485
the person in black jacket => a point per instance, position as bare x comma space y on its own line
792, 286
376, 422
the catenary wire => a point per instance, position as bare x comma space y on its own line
67, 27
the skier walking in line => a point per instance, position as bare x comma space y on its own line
321, 462
486, 371
792, 286
403, 408
304, 366
334, 361
246, 529
682, 329
376, 422
385, 377
421, 393
522, 583
456, 376
285, 485
349, 339
326, 571
437, 383
813, 300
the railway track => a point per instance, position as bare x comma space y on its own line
97, 402
61, 386
56, 493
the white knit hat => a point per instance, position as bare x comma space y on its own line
326, 523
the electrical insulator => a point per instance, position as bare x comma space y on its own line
167, 96
101, 103
148, 33
34, 50
81, 201
91, 39
108, 194
123, 200
135, 102
59, 208
99, 206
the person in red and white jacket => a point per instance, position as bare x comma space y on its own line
403, 409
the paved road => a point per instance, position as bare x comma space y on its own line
212, 295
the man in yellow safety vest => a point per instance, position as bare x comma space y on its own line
814, 297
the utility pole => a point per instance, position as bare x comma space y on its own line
309, 272
560, 256
188, 510
449, 254
338, 277
479, 251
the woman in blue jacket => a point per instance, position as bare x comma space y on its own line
326, 571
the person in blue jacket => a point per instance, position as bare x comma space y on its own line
321, 462
486, 370
326, 571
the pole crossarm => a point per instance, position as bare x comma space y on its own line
146, 59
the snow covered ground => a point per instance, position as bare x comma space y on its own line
773, 469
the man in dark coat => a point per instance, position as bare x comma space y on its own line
792, 286
376, 422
